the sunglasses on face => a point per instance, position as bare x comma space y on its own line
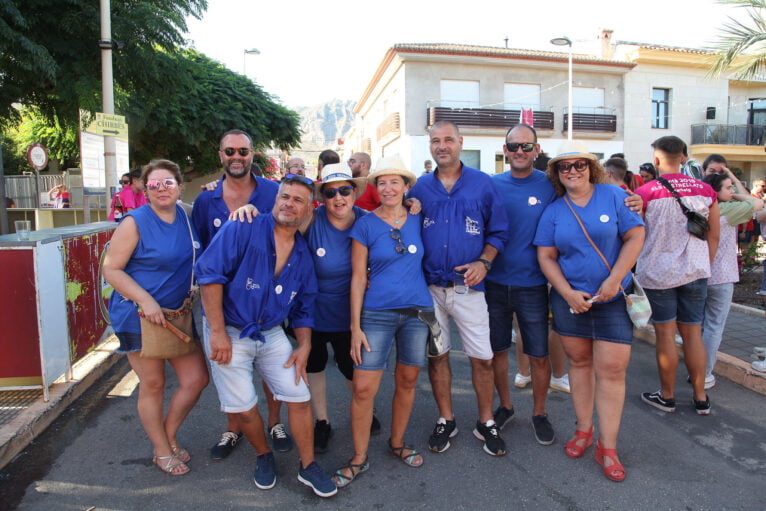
527, 147
168, 183
565, 168
396, 234
345, 191
124, 182
243, 151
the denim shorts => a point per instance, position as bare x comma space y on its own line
234, 381
683, 304
602, 322
129, 342
530, 304
383, 328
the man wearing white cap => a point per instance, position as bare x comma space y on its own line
464, 227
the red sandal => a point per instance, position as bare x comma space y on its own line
614, 472
573, 449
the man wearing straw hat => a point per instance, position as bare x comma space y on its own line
464, 227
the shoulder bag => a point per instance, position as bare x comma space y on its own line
696, 224
174, 339
637, 303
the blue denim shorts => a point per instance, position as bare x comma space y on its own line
530, 304
602, 322
683, 304
382, 329
129, 342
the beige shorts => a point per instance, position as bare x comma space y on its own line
469, 312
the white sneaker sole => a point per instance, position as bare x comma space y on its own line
315, 490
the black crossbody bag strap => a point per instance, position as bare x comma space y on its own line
667, 185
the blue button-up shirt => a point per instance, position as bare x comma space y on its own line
243, 257
457, 224
210, 211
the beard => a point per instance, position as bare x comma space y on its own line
236, 174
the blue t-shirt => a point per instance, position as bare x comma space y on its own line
396, 279
243, 257
161, 264
524, 200
330, 249
210, 211
607, 219
457, 225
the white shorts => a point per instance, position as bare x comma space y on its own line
469, 311
234, 381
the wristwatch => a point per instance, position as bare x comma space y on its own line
487, 264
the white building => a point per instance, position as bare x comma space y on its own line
625, 95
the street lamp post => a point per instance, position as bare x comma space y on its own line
565, 41
251, 51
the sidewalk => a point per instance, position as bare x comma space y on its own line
24, 414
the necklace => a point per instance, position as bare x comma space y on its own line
396, 220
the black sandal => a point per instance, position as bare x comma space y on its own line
355, 469
408, 459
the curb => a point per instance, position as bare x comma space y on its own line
25, 427
726, 366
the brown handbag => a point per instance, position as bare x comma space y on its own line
174, 339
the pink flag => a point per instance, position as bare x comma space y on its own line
528, 117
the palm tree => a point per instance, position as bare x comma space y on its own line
741, 48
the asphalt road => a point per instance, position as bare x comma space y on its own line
96, 456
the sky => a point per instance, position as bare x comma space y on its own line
315, 51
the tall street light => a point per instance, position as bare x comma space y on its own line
565, 41
251, 51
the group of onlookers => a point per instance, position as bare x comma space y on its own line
454, 246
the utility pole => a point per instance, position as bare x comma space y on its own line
107, 92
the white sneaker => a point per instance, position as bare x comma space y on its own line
759, 365
709, 382
522, 381
513, 336
760, 351
679, 340
561, 384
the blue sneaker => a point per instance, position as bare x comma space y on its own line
314, 477
265, 477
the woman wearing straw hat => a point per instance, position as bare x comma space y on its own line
384, 312
589, 310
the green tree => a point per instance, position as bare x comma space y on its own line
741, 47
177, 101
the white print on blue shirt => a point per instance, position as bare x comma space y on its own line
427, 222
250, 285
292, 295
472, 226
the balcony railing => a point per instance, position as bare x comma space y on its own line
489, 117
389, 125
597, 119
729, 134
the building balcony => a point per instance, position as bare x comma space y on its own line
389, 128
593, 119
479, 117
729, 134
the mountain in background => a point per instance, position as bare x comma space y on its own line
323, 125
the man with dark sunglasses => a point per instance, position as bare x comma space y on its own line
516, 285
253, 276
237, 187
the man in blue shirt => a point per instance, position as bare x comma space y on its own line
464, 227
253, 276
516, 285
237, 187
